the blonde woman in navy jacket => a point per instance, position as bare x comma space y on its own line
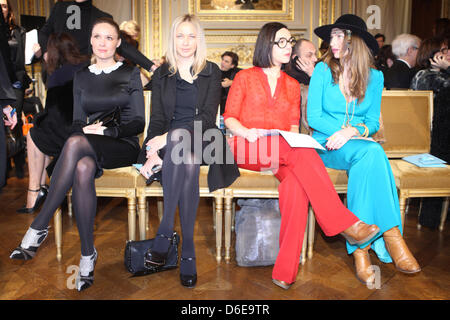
185, 98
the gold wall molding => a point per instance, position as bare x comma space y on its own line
242, 42
286, 14
245, 53
445, 9
156, 27
323, 13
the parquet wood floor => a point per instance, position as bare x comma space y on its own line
329, 275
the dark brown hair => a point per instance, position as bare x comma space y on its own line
61, 49
427, 50
384, 54
10, 18
108, 21
262, 57
234, 57
359, 60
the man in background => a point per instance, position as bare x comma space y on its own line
229, 67
301, 67
381, 39
399, 76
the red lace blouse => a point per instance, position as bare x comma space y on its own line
250, 101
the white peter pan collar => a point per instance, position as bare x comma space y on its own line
93, 68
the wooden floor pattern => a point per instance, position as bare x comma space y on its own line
329, 275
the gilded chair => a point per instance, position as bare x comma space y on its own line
155, 190
119, 182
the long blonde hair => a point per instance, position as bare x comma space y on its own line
359, 60
200, 54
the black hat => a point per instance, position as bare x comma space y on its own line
349, 22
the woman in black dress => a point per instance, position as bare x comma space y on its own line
7, 95
53, 125
16, 41
98, 90
433, 60
185, 98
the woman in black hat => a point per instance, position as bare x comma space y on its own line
344, 109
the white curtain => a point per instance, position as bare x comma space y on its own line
395, 16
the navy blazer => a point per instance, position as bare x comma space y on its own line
398, 76
163, 107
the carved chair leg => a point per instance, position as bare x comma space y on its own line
218, 226
444, 213
311, 231
69, 206
57, 220
131, 218
304, 245
142, 216
402, 201
214, 214
160, 205
228, 213
419, 226
233, 216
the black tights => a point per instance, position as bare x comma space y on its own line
76, 168
180, 187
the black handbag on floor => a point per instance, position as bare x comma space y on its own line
135, 256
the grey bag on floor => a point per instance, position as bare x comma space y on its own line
257, 226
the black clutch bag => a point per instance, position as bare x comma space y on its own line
14, 142
109, 119
135, 256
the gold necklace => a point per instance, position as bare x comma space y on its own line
347, 119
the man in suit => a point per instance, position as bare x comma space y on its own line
303, 61
76, 18
229, 68
301, 67
399, 76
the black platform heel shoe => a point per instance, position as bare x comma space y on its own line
43, 191
154, 258
188, 280
85, 277
30, 243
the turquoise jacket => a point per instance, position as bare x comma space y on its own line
326, 104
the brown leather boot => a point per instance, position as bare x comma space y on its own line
397, 248
360, 233
362, 264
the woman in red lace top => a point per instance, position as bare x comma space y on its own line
263, 98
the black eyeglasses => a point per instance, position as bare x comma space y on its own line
282, 43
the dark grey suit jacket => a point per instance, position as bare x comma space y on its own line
398, 76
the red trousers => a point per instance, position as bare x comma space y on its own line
303, 179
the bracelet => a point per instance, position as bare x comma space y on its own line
366, 130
